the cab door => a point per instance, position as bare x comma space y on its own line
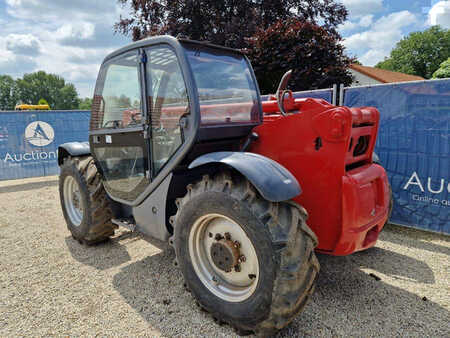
168, 104
118, 136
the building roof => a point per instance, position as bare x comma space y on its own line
385, 76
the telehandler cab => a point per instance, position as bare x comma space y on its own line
181, 148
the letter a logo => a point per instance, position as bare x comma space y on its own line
39, 133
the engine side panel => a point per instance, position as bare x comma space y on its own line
322, 145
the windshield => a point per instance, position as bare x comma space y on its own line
226, 89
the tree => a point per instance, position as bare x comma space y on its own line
227, 23
315, 55
53, 88
85, 104
443, 71
43, 102
420, 53
8, 93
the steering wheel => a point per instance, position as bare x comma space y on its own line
115, 124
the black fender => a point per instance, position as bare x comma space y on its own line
72, 149
273, 181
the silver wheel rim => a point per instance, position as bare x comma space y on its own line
72, 200
230, 286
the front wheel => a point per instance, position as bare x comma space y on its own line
84, 202
248, 261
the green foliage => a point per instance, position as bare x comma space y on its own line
227, 23
43, 101
420, 53
53, 88
37, 88
8, 93
316, 57
443, 71
85, 104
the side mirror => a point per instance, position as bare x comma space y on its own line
282, 90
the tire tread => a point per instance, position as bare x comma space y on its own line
99, 208
293, 247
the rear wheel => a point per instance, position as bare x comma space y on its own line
84, 202
248, 261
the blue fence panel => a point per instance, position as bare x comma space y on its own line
414, 145
29, 140
325, 94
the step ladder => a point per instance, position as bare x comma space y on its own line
128, 223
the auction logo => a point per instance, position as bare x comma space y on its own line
431, 187
39, 133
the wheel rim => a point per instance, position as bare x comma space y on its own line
72, 200
236, 285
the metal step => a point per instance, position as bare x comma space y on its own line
125, 222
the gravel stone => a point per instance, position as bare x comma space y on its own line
50, 285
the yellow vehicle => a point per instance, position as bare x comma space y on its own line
32, 107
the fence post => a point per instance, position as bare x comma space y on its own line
333, 102
341, 94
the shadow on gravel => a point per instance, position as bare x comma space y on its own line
400, 235
27, 186
102, 256
350, 302
347, 300
394, 264
153, 287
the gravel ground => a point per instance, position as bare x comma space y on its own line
51, 285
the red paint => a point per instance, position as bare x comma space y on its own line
347, 207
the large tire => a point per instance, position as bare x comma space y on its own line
89, 222
283, 243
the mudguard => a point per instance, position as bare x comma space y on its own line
72, 149
273, 181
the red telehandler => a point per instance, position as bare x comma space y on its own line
182, 149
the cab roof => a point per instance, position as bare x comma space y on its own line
170, 40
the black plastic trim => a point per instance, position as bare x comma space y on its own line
273, 181
218, 132
72, 149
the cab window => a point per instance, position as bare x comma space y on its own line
117, 103
167, 102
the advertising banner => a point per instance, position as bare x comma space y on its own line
414, 146
29, 140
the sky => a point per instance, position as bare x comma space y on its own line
71, 37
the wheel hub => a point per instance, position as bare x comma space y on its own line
223, 257
76, 200
224, 254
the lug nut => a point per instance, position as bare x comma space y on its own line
242, 259
210, 235
237, 268
218, 237
227, 236
251, 276
237, 245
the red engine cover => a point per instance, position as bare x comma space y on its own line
329, 150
